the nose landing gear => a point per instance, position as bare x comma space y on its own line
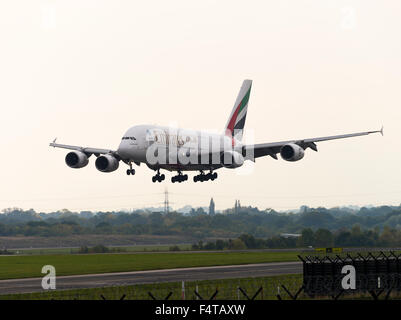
130, 171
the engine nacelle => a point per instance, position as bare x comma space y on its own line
76, 159
292, 152
106, 163
232, 159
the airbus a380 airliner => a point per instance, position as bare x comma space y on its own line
183, 150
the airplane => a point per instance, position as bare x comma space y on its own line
182, 150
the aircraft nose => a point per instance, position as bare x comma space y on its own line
123, 150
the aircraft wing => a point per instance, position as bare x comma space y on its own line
271, 149
87, 150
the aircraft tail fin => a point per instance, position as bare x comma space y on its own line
236, 121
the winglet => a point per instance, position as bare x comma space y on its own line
52, 143
381, 131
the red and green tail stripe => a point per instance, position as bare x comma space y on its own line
238, 124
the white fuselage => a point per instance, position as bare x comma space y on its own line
139, 142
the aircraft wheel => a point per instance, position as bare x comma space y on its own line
128, 172
195, 178
154, 179
215, 175
162, 177
132, 171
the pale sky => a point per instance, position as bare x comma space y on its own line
85, 71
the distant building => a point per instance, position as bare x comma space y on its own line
303, 209
211, 207
290, 235
237, 206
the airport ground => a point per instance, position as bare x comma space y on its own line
134, 274
219, 288
98, 272
26, 266
253, 288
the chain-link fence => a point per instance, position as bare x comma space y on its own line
231, 289
372, 273
290, 287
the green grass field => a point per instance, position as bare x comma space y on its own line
31, 265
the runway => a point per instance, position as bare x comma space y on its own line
153, 276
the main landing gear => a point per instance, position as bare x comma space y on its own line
179, 178
205, 177
158, 177
130, 171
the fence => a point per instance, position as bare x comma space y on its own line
374, 274
233, 289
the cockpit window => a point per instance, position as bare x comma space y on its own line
128, 138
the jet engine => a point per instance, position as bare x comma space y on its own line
76, 159
291, 152
232, 159
106, 163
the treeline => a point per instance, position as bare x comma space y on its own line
321, 238
247, 241
100, 249
6, 252
376, 225
356, 237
